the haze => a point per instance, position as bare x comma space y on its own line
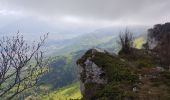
69, 18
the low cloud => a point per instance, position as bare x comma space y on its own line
113, 12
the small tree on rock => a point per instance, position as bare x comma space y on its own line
126, 42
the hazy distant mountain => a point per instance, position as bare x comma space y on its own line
102, 38
33, 28
63, 39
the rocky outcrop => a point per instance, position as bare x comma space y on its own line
98, 69
89, 72
106, 76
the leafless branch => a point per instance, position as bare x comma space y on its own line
126, 41
21, 65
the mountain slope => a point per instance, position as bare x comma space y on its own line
101, 38
71, 91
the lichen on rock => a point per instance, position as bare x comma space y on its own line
89, 72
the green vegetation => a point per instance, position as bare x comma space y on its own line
138, 42
115, 69
68, 92
121, 76
122, 73
62, 72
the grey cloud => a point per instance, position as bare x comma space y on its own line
134, 10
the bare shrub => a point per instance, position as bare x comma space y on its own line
21, 65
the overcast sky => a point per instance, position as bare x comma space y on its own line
87, 13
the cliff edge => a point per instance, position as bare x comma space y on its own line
106, 76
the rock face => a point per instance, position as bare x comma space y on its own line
90, 73
93, 73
